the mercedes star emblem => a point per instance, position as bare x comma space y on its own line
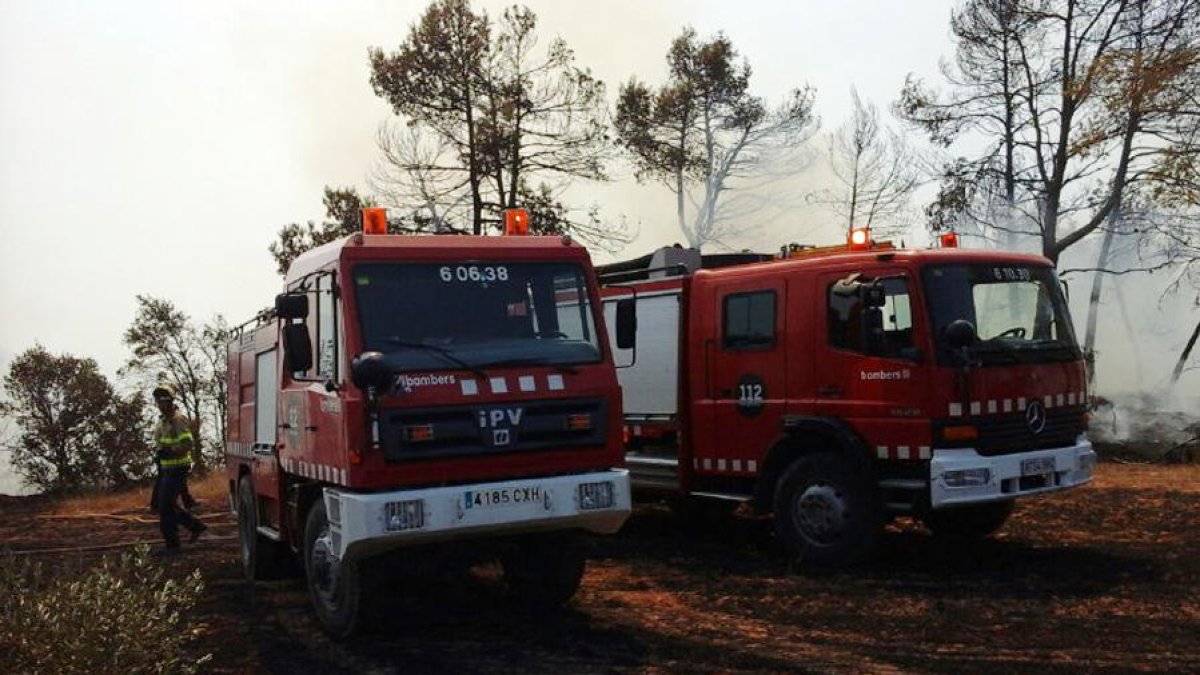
1035, 416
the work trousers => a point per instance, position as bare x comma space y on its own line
171, 482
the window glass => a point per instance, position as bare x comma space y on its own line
481, 314
1013, 309
1018, 311
326, 351
749, 320
264, 398
848, 321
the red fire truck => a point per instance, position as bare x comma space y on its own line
842, 386
452, 392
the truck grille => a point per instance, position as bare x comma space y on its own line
526, 426
1002, 434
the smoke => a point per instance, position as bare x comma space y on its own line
1144, 322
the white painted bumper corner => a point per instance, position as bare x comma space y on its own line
1074, 466
359, 525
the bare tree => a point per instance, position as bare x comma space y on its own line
702, 131
1093, 96
986, 97
876, 170
418, 177
492, 119
435, 80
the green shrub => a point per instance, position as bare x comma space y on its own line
124, 615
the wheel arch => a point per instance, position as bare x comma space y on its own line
301, 497
802, 435
242, 471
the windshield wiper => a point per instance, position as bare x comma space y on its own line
994, 346
1055, 348
534, 361
440, 351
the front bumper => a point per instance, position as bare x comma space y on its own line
359, 521
1072, 466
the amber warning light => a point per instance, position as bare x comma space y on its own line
860, 239
374, 221
516, 222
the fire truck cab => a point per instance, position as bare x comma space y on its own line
836, 388
446, 395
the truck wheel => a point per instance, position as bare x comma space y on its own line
968, 522
261, 558
825, 511
544, 572
334, 585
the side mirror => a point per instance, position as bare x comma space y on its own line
297, 347
370, 370
960, 333
626, 323
289, 306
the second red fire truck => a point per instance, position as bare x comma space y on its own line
839, 387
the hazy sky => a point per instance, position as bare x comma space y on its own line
152, 147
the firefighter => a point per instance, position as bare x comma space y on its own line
173, 438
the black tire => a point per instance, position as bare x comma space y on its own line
826, 511
968, 522
335, 588
262, 559
544, 572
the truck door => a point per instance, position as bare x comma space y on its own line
746, 363
868, 369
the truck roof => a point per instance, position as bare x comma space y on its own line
909, 256
913, 256
669, 265
454, 247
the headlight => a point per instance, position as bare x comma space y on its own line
967, 477
595, 495
405, 515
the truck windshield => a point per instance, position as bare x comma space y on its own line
476, 315
1018, 311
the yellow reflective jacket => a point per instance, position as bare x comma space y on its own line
172, 433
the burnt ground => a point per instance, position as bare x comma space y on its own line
1105, 578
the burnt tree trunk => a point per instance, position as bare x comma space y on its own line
1187, 351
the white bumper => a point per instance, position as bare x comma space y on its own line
359, 521
1008, 476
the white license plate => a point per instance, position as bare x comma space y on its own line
1037, 466
513, 496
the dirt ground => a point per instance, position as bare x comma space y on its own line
1105, 578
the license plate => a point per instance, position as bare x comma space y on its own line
1037, 466
485, 499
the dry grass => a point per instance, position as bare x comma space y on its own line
1165, 477
211, 489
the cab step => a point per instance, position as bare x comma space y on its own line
653, 472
